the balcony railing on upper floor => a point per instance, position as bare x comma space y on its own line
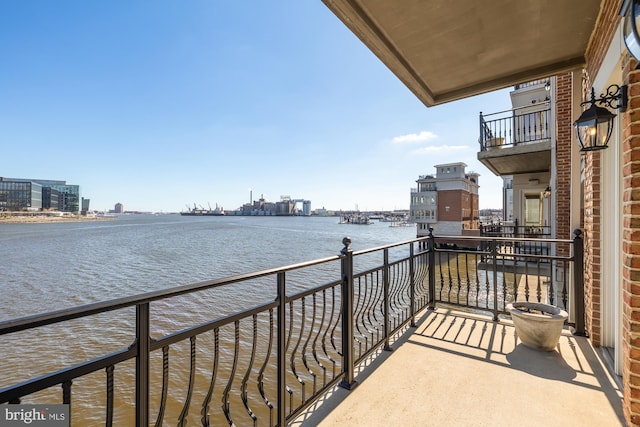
533, 83
307, 328
514, 127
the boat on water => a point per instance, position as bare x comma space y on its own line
359, 219
200, 211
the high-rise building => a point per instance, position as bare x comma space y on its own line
119, 208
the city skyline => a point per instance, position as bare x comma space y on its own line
157, 106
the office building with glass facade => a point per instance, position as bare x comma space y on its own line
18, 194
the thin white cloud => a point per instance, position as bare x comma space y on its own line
439, 148
425, 135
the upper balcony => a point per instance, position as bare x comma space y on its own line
516, 141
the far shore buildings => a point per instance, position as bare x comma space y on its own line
19, 194
285, 207
446, 202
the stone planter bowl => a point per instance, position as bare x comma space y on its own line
539, 329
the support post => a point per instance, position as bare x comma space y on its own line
281, 353
494, 256
386, 300
412, 277
142, 365
432, 270
578, 282
348, 361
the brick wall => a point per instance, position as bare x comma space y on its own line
631, 247
564, 131
630, 122
602, 35
453, 200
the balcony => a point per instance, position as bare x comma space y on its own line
313, 326
457, 369
516, 141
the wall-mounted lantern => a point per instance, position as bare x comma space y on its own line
595, 124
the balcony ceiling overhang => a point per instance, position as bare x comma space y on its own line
525, 158
445, 50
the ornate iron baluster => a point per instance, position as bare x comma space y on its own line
306, 344
466, 264
324, 337
314, 347
357, 313
165, 385
264, 366
245, 379
182, 419
214, 373
109, 415
292, 360
459, 284
225, 394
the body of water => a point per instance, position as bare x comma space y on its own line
51, 266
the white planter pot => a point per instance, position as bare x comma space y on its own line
541, 328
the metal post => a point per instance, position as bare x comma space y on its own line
412, 275
432, 270
142, 365
494, 255
347, 316
281, 353
387, 302
578, 281
482, 134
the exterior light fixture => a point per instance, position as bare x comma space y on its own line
595, 124
631, 11
547, 192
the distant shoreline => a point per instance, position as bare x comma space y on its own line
38, 219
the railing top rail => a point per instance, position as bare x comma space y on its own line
406, 242
504, 239
517, 109
43, 319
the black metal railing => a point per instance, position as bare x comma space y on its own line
513, 127
265, 364
533, 235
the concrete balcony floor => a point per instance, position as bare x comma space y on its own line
459, 369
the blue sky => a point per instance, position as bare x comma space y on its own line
159, 104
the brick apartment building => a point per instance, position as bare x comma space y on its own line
446, 201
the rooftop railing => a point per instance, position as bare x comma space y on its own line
514, 127
266, 362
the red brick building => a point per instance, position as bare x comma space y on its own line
446, 201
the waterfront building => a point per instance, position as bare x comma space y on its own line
581, 51
20, 195
118, 208
51, 199
85, 206
285, 207
446, 201
14, 197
